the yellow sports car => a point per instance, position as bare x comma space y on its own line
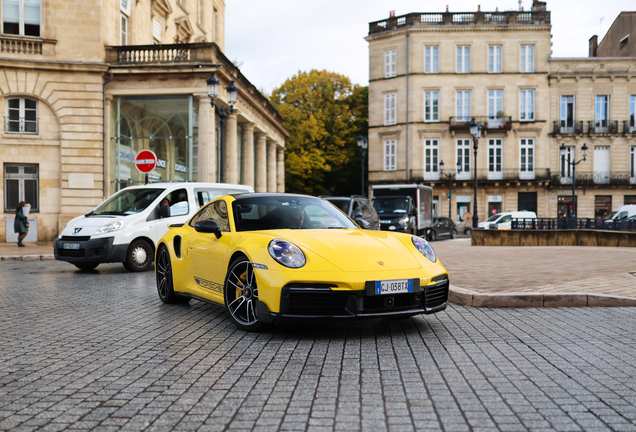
271, 256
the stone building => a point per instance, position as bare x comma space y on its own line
496, 67
87, 85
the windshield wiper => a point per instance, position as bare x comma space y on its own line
89, 214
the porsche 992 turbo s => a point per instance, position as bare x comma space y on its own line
270, 257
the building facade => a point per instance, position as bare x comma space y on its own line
432, 73
87, 85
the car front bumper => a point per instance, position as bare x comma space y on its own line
91, 251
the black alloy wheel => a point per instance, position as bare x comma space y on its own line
241, 295
139, 256
433, 235
163, 275
454, 233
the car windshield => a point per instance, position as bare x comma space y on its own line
287, 212
611, 215
385, 205
341, 203
493, 218
127, 202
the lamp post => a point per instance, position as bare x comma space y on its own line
450, 181
475, 131
232, 93
574, 164
363, 144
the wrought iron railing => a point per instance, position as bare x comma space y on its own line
20, 125
574, 223
489, 123
563, 128
507, 174
629, 126
613, 178
602, 127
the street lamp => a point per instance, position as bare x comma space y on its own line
450, 181
475, 131
574, 164
363, 143
232, 93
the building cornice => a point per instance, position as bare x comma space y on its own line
53, 66
446, 29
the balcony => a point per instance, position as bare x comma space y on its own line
603, 127
567, 128
418, 19
629, 127
484, 175
499, 123
611, 178
160, 54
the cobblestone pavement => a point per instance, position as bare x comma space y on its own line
543, 268
98, 351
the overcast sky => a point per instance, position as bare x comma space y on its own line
275, 39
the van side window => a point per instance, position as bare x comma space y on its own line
178, 202
506, 218
216, 211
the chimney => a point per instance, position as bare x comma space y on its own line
446, 8
478, 8
538, 6
593, 46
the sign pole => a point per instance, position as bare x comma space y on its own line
146, 178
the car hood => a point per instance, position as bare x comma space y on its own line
356, 249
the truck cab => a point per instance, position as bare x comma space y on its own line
397, 213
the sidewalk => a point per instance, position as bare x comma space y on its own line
502, 276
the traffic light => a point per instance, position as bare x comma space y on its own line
448, 195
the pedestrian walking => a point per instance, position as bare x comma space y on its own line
20, 225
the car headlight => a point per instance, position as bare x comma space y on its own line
115, 226
424, 247
286, 253
404, 221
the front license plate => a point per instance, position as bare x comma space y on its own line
394, 286
70, 246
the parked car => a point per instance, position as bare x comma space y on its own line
273, 257
504, 220
358, 208
465, 227
126, 227
443, 228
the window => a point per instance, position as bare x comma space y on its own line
494, 58
526, 162
156, 30
431, 106
601, 164
463, 59
390, 117
527, 58
632, 165
566, 167
389, 64
432, 61
495, 108
463, 105
526, 108
21, 184
431, 159
463, 158
390, 155
216, 211
567, 114
21, 17
601, 113
632, 113
123, 33
22, 116
495, 159
623, 42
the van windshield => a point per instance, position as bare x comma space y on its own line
611, 215
493, 218
386, 205
127, 202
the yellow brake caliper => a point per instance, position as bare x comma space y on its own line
241, 283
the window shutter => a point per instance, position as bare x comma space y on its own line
156, 29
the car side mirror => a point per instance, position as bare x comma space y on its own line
357, 214
363, 224
208, 227
164, 211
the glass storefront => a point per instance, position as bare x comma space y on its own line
167, 125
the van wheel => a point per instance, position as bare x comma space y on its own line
139, 257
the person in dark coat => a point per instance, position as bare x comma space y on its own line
20, 225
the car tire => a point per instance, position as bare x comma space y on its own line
163, 275
139, 256
454, 234
432, 236
468, 232
86, 266
241, 294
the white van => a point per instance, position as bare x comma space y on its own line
126, 227
622, 212
504, 220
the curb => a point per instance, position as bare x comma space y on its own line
27, 257
466, 297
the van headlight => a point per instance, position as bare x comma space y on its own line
424, 248
115, 226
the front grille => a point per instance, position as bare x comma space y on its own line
318, 303
405, 301
75, 238
71, 253
436, 295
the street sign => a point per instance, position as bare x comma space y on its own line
146, 161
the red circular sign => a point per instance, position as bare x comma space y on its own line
146, 161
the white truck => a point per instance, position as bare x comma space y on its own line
404, 207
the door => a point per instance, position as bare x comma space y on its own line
431, 159
495, 159
527, 201
526, 162
463, 159
601, 164
567, 114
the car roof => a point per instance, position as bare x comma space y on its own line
272, 195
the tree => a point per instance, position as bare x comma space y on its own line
324, 113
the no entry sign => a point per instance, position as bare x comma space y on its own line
146, 161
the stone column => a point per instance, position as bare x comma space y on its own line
231, 149
206, 157
261, 162
107, 147
280, 175
248, 154
271, 166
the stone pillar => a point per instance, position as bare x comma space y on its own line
231, 149
280, 175
206, 158
107, 147
271, 166
261, 162
248, 154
